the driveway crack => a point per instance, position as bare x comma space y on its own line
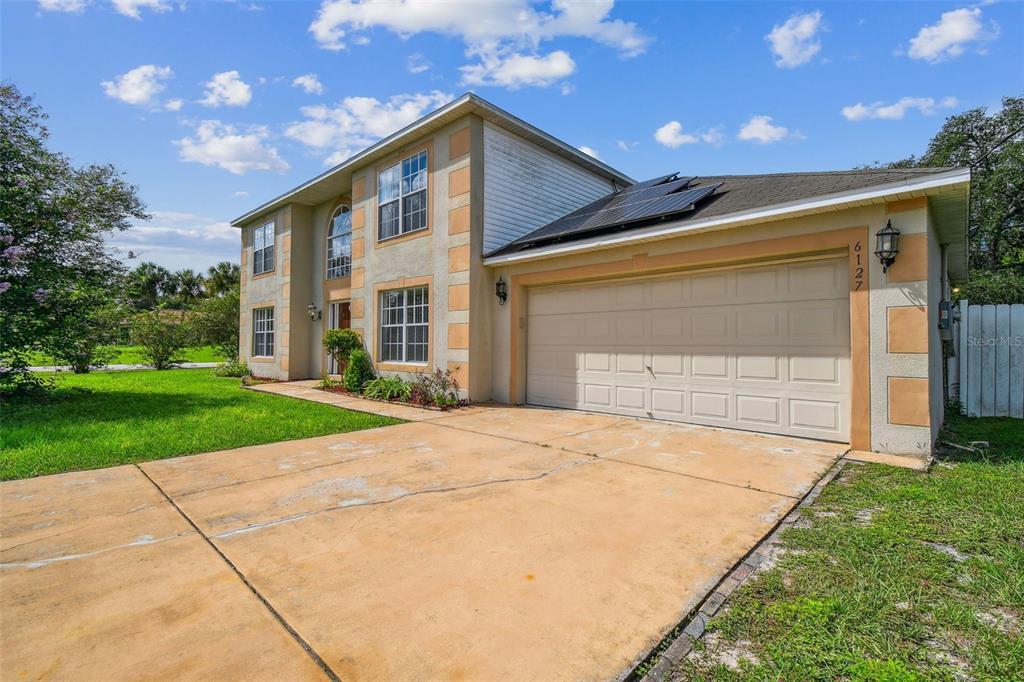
396, 498
321, 663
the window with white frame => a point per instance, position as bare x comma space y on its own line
339, 243
263, 248
263, 332
402, 197
404, 325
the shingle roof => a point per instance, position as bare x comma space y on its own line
737, 193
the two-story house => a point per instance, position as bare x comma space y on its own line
473, 241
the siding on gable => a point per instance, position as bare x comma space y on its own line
526, 187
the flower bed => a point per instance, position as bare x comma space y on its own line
436, 391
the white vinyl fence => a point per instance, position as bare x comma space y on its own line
990, 360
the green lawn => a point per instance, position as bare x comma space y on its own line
126, 417
860, 595
132, 355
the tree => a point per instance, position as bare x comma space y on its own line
162, 335
216, 323
82, 343
187, 287
147, 285
993, 146
222, 278
339, 344
53, 220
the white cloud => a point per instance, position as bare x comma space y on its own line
357, 122
310, 83
567, 89
589, 151
503, 35
71, 6
761, 129
240, 193
174, 104
898, 109
626, 146
140, 86
671, 135
177, 240
417, 63
237, 151
130, 8
513, 71
950, 37
226, 88
795, 42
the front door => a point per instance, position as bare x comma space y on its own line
339, 316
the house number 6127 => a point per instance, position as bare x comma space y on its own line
858, 270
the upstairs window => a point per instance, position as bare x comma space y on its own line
402, 197
404, 325
263, 249
339, 243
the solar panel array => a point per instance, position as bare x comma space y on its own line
664, 196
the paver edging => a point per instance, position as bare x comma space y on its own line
691, 628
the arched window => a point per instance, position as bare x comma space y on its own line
339, 243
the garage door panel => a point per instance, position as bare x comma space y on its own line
736, 348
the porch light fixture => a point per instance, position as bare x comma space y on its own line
501, 291
314, 312
887, 245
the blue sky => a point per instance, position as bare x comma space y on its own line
204, 104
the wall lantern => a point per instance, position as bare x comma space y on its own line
887, 245
501, 291
314, 312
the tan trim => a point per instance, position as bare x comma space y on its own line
355, 308
358, 188
458, 143
907, 329
251, 333
458, 182
424, 146
458, 297
358, 278
460, 371
344, 201
286, 290
906, 205
458, 336
267, 273
458, 258
911, 264
458, 220
854, 241
359, 218
358, 246
908, 401
339, 289
402, 283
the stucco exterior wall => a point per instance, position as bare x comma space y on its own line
266, 290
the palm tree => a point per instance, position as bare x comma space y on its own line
147, 285
222, 278
187, 286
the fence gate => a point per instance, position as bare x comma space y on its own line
990, 360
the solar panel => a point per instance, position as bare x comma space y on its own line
664, 196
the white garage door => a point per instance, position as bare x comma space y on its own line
763, 349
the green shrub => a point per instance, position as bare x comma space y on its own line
162, 336
439, 389
339, 344
216, 323
359, 370
327, 383
993, 287
232, 368
387, 388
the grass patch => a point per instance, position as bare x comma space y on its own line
900, 576
104, 419
132, 355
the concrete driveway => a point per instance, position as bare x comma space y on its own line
501, 543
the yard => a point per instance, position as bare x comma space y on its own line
898, 575
132, 355
105, 419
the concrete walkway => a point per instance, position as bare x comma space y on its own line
126, 368
492, 543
